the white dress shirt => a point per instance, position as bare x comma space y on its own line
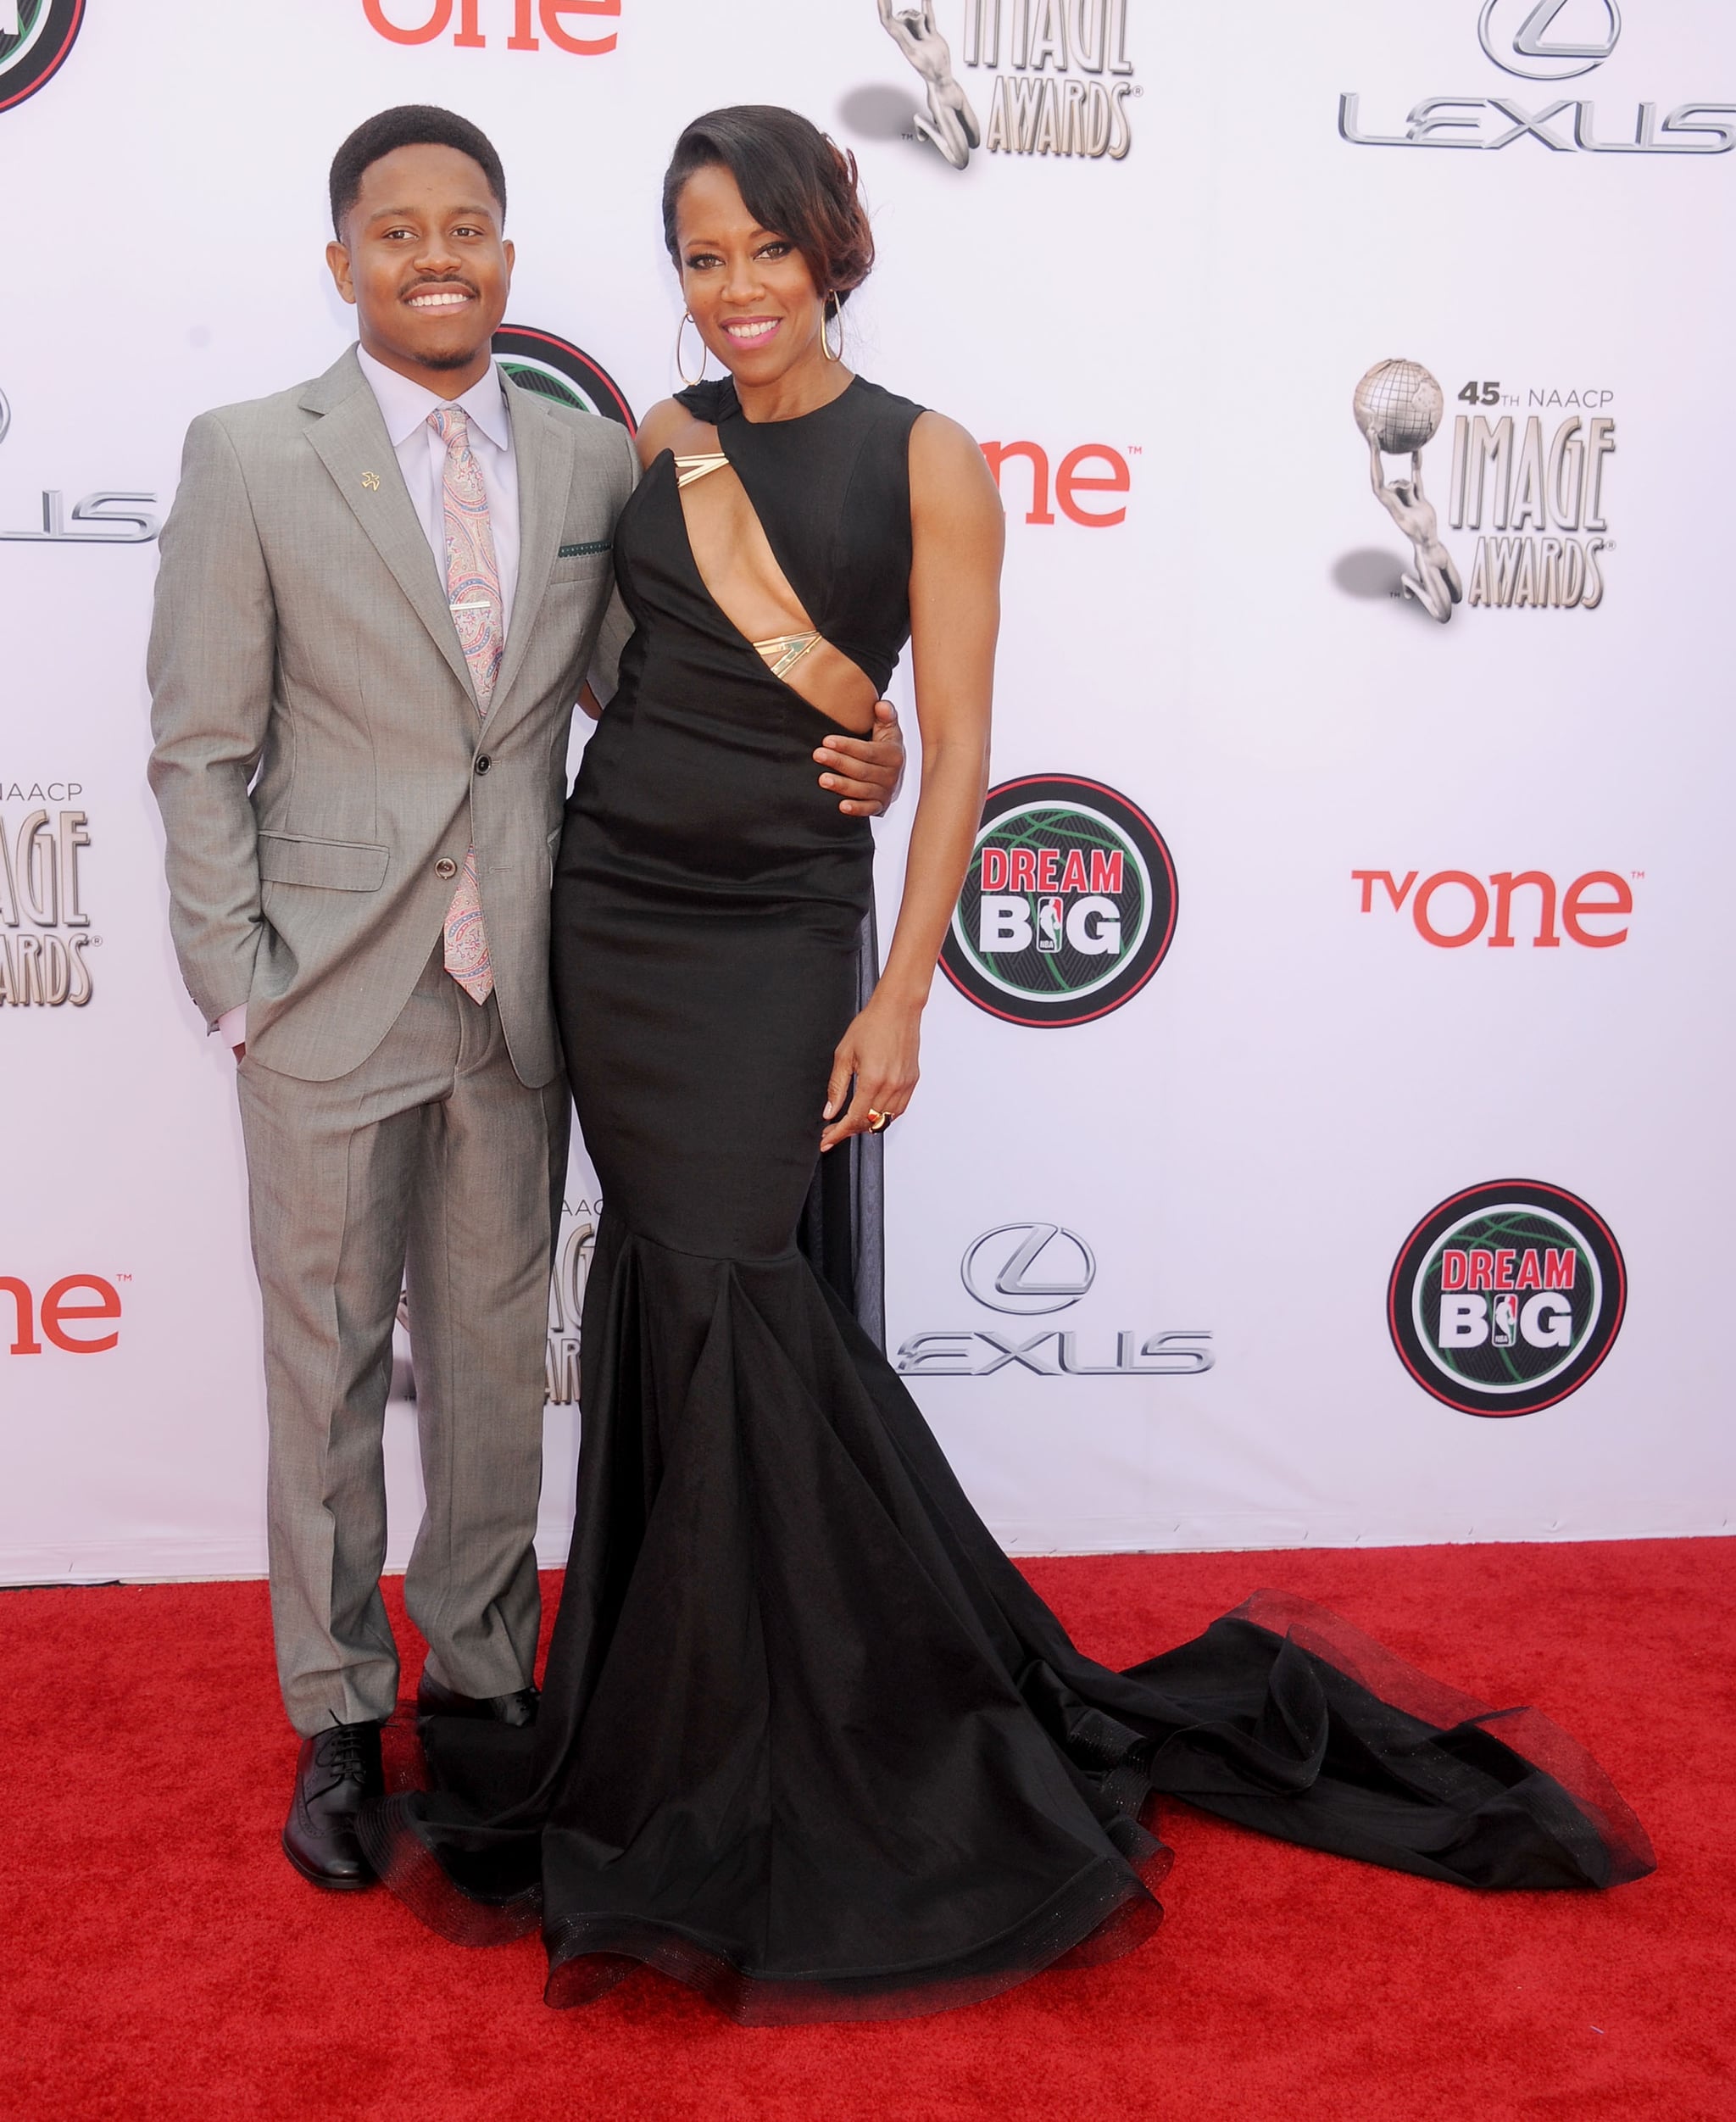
404, 406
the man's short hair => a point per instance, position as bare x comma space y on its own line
408, 126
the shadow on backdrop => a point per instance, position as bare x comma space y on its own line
1369, 572
878, 112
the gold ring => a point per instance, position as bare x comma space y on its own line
878, 1123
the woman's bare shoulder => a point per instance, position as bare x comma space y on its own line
668, 425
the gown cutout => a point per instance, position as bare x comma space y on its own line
809, 1742
735, 562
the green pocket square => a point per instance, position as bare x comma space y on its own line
578, 552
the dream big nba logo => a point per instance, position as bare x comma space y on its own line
35, 36
1505, 1298
554, 368
1069, 905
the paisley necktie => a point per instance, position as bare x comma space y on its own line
473, 592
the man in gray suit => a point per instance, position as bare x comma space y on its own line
381, 594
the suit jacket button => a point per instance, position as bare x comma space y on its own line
446, 866
484, 763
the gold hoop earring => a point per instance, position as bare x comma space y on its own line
838, 311
705, 352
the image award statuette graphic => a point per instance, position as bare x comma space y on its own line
951, 123
1398, 407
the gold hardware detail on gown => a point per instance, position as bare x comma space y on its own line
784, 651
688, 469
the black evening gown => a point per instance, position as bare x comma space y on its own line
809, 1742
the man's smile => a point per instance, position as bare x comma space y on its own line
445, 295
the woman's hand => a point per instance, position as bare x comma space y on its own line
880, 1051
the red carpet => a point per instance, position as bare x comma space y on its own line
160, 1960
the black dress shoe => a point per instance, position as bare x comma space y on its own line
432, 1700
338, 1771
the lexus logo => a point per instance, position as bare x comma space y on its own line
106, 517
1527, 46
1028, 1267
1552, 41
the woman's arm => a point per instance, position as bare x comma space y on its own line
959, 531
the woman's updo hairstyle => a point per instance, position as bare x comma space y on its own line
791, 178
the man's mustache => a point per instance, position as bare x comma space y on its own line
422, 286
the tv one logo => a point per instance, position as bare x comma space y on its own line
73, 1316
1452, 908
1092, 470
1506, 1297
1069, 905
525, 26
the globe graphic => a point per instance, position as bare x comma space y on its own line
1401, 401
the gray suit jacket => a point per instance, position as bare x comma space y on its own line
318, 748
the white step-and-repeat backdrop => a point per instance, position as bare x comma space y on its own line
1325, 1132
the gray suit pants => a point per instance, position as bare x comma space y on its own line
430, 1161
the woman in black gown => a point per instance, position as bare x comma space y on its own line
807, 1741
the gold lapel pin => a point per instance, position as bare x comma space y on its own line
370, 479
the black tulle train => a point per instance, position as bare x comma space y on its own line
811, 1743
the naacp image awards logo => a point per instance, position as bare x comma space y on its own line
556, 369
1528, 477
1069, 905
45, 926
1040, 77
35, 36
568, 1275
1505, 1298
